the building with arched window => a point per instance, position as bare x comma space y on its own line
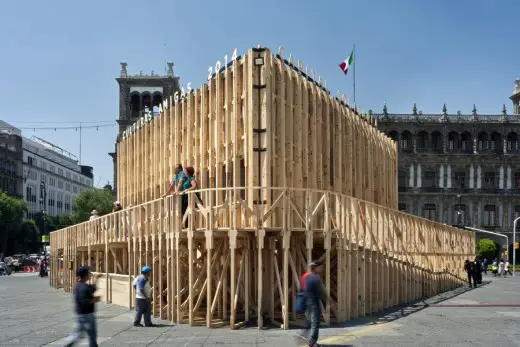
140, 93
459, 169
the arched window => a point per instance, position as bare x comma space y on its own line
482, 141
512, 142
496, 142
422, 141
466, 142
135, 105
437, 142
405, 144
453, 141
393, 135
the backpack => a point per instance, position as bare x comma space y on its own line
301, 306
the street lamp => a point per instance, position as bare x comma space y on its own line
43, 201
514, 244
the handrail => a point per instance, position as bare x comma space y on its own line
303, 190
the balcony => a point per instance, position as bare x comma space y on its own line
490, 151
460, 151
429, 150
431, 189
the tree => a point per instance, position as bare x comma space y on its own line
90, 199
12, 211
487, 249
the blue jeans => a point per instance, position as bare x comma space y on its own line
313, 315
142, 308
84, 323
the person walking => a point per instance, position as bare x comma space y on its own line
478, 271
313, 289
484, 266
85, 301
469, 266
143, 300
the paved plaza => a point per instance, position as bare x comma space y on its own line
33, 314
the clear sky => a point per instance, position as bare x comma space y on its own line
59, 59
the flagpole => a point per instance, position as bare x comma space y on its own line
354, 77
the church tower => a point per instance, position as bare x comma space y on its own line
516, 97
137, 93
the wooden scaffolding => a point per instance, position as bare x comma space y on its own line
289, 174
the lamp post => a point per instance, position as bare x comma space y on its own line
43, 201
514, 244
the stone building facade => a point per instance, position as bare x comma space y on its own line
11, 157
138, 94
459, 169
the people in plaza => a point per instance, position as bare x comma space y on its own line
313, 289
478, 271
494, 267
501, 267
85, 304
506, 269
143, 301
484, 266
189, 183
470, 268
178, 179
94, 214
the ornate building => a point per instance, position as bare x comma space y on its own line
11, 179
459, 169
138, 94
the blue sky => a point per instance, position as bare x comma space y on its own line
59, 59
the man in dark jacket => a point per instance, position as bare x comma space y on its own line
84, 300
469, 266
314, 291
478, 271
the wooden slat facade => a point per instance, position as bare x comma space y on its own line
288, 174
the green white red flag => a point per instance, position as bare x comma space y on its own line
347, 63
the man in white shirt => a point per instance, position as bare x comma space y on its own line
142, 295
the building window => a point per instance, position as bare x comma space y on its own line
489, 180
68, 175
517, 180
31, 160
74, 189
402, 207
460, 214
429, 179
60, 184
60, 172
430, 211
490, 216
516, 213
52, 169
460, 180
67, 187
401, 179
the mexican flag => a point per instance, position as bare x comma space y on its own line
347, 63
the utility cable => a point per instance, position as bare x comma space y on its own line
97, 126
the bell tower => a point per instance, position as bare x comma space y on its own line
139, 93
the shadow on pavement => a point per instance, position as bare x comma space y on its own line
402, 311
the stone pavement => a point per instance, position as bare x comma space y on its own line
33, 314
